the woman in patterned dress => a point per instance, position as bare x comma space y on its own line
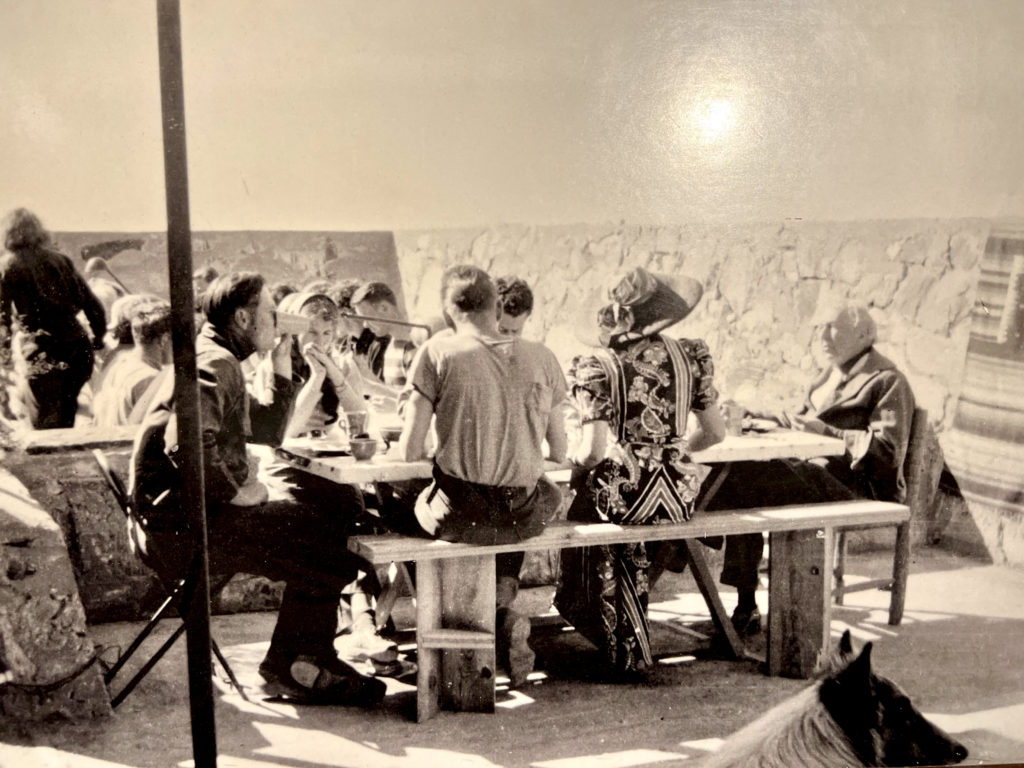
634, 394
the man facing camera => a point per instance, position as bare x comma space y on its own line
262, 519
860, 398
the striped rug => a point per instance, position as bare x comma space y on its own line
985, 449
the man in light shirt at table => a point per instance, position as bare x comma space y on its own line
494, 399
860, 398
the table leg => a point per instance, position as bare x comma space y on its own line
706, 584
799, 601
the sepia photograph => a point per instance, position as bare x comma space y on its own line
541, 384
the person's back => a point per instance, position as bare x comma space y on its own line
127, 380
495, 401
492, 400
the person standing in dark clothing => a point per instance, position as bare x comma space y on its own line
41, 295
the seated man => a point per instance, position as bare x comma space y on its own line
863, 399
128, 379
272, 524
515, 304
495, 399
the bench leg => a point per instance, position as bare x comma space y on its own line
456, 667
467, 603
799, 601
428, 617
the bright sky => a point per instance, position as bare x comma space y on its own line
353, 115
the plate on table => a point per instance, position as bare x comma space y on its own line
761, 425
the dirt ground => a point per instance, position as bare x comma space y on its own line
958, 654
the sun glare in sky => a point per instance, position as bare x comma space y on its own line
714, 119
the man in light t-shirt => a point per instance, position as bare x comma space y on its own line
494, 400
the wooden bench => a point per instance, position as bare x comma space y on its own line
455, 589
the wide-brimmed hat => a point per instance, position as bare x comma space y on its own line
637, 304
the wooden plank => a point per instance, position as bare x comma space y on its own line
709, 590
428, 660
467, 603
455, 638
559, 535
799, 601
36, 441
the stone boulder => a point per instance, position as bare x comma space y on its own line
46, 656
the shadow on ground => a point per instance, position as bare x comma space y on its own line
958, 653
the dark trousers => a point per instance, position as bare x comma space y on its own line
49, 392
751, 484
298, 536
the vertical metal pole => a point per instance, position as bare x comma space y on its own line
186, 389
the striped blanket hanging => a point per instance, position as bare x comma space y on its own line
985, 449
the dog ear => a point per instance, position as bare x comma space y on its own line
846, 644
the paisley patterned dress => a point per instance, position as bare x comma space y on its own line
645, 391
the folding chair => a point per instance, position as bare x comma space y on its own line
918, 493
179, 590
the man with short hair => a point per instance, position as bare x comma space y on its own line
260, 522
861, 398
494, 399
375, 299
515, 304
126, 381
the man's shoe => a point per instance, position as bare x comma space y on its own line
513, 645
308, 680
367, 645
746, 621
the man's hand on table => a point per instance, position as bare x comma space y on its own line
809, 424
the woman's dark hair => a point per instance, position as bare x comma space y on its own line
514, 295
228, 293
467, 288
23, 229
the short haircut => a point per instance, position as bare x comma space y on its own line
374, 292
229, 293
124, 309
342, 291
151, 322
319, 306
514, 296
23, 229
279, 290
468, 289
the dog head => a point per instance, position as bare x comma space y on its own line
878, 718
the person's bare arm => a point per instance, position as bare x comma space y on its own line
710, 428
593, 444
418, 413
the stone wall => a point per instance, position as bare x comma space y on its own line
764, 285
47, 661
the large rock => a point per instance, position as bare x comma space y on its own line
113, 583
44, 643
